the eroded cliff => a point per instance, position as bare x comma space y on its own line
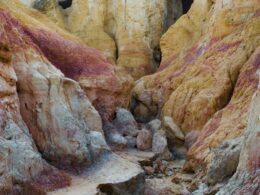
208, 74
127, 32
196, 117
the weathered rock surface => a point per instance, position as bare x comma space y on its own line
194, 85
49, 80
230, 122
126, 31
21, 165
65, 127
106, 86
111, 175
247, 177
125, 123
172, 130
191, 138
55, 108
224, 161
160, 145
144, 140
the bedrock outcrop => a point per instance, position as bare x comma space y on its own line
127, 32
247, 177
208, 74
56, 93
21, 165
105, 85
44, 115
56, 110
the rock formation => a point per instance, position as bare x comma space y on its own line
127, 32
66, 128
207, 77
73, 121
247, 178
21, 165
55, 109
105, 85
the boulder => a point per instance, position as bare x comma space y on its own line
117, 141
111, 175
154, 125
125, 123
144, 140
131, 141
224, 161
172, 130
160, 146
114, 139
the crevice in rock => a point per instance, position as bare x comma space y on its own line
157, 57
186, 4
174, 11
65, 3
117, 50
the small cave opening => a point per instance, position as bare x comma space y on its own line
186, 4
65, 3
157, 54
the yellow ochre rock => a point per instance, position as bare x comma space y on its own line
127, 32
208, 74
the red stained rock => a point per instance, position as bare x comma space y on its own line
73, 59
56, 110
49, 180
191, 138
229, 122
247, 177
144, 140
20, 161
106, 86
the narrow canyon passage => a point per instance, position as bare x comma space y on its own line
131, 97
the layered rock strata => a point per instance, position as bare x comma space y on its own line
207, 76
55, 109
22, 168
128, 32
56, 116
247, 177
105, 85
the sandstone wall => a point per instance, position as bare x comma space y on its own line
21, 165
107, 86
45, 114
206, 82
126, 31
208, 73
247, 178
65, 126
